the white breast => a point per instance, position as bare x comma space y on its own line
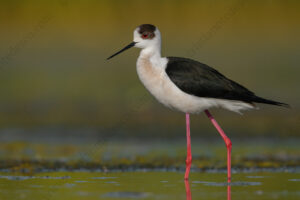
154, 77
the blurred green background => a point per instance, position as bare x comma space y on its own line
53, 72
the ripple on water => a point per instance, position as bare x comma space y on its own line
20, 178
126, 195
237, 183
103, 178
111, 182
295, 179
255, 176
79, 181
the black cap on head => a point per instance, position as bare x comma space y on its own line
147, 31
147, 27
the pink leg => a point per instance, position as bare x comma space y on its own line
229, 192
227, 142
189, 151
188, 190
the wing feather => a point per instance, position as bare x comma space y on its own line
201, 80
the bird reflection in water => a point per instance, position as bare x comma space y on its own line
189, 193
228, 191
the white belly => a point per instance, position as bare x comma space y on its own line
157, 82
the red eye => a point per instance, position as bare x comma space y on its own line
144, 35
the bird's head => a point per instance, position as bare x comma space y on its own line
145, 36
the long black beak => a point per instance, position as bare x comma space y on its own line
125, 48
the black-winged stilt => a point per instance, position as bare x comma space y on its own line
188, 86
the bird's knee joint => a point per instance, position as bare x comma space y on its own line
229, 144
188, 161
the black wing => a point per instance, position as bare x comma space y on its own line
201, 80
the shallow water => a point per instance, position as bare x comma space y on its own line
149, 185
117, 170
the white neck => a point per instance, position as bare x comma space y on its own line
153, 50
153, 53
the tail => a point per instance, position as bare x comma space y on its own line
271, 102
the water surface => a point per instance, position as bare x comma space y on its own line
149, 185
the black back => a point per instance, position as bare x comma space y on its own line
201, 80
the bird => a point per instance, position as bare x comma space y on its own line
189, 86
